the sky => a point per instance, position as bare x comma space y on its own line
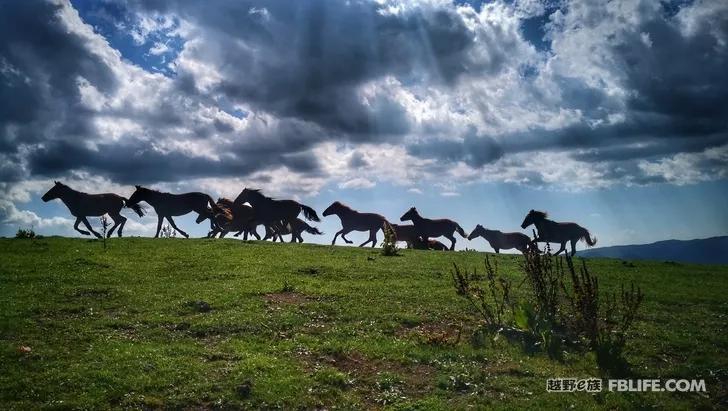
609, 114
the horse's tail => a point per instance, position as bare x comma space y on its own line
590, 241
460, 230
309, 213
136, 207
311, 230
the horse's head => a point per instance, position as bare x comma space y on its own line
139, 194
54, 192
334, 208
246, 195
532, 217
409, 215
477, 231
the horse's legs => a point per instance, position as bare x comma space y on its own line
497, 250
346, 239
86, 223
75, 227
563, 248
119, 221
223, 233
336, 235
254, 233
169, 218
451, 238
372, 238
573, 246
160, 218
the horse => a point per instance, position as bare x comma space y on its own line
550, 231
295, 228
82, 205
420, 243
406, 233
271, 212
502, 241
352, 220
232, 217
168, 205
427, 228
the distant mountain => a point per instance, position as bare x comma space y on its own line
712, 250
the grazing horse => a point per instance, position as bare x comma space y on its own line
168, 205
550, 231
231, 217
295, 228
501, 241
419, 243
352, 220
271, 212
82, 205
427, 228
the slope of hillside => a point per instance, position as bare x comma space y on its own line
712, 250
208, 324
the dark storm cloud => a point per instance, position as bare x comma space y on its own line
474, 150
40, 62
307, 59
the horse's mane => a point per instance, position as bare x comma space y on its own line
259, 193
225, 200
149, 189
539, 214
344, 206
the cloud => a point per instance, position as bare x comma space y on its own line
571, 95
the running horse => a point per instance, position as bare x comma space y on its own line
352, 220
502, 241
550, 231
275, 213
296, 228
427, 228
168, 205
82, 205
231, 217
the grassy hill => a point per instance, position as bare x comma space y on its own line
223, 323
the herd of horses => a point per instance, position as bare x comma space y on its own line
252, 208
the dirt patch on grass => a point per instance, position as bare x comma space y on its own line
436, 333
378, 382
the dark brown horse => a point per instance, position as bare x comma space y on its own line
352, 220
405, 233
231, 217
502, 241
296, 228
82, 205
274, 213
168, 205
420, 243
550, 231
427, 228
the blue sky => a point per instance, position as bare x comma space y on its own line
611, 115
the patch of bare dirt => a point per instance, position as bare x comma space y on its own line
436, 333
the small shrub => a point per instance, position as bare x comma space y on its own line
389, 245
287, 287
167, 232
25, 234
489, 301
104, 229
562, 305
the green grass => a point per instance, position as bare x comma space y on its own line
307, 326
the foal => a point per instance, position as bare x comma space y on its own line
427, 228
296, 228
550, 231
501, 241
232, 217
352, 220
82, 205
168, 205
